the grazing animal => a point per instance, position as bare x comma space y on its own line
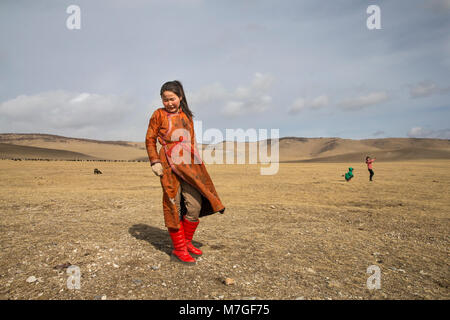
96, 171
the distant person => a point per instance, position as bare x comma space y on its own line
188, 192
349, 174
369, 162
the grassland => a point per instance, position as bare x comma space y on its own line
303, 233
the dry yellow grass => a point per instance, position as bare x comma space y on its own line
303, 232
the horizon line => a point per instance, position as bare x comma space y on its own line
268, 139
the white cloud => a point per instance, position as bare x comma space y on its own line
423, 89
319, 102
250, 98
378, 133
301, 104
426, 89
207, 95
298, 106
80, 98
419, 132
234, 108
361, 102
60, 110
439, 4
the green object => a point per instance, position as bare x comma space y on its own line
349, 174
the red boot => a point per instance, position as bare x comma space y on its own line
189, 230
179, 243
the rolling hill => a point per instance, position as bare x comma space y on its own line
291, 149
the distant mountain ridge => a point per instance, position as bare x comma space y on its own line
291, 149
12, 151
51, 137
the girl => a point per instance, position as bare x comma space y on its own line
188, 192
369, 166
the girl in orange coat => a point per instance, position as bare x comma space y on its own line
188, 192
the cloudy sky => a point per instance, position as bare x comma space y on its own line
308, 68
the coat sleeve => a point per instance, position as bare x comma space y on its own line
151, 137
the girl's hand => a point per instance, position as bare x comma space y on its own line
157, 169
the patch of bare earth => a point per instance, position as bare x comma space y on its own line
303, 233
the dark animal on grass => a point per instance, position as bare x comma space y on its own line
96, 171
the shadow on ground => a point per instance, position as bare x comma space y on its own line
158, 238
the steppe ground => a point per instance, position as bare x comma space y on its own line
303, 233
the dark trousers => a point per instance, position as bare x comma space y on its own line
371, 174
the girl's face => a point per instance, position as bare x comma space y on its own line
170, 101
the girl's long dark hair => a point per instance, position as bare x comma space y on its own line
177, 88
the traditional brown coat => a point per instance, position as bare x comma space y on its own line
180, 159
